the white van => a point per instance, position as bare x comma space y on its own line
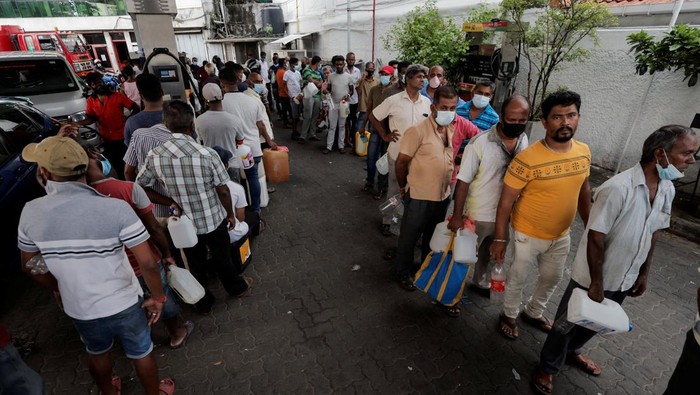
45, 78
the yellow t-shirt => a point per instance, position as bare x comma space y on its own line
550, 183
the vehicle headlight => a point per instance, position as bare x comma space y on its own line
78, 116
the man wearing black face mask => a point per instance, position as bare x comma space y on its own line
107, 109
480, 180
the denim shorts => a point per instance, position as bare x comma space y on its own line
130, 326
170, 307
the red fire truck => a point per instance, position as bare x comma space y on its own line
70, 45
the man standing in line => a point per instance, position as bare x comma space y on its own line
403, 110
312, 104
377, 146
365, 85
480, 178
87, 264
265, 74
356, 75
478, 110
292, 85
216, 127
546, 183
615, 253
399, 84
285, 105
341, 87
248, 110
436, 79
685, 374
425, 185
152, 114
107, 109
196, 180
255, 91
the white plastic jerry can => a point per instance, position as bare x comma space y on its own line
383, 164
465, 246
441, 237
605, 317
182, 231
185, 285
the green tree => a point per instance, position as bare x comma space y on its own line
554, 38
426, 37
678, 49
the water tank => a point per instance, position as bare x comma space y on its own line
274, 17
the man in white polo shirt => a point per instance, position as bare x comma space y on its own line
80, 235
480, 179
248, 110
403, 110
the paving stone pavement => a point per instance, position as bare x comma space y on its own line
313, 325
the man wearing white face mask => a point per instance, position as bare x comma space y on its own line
427, 148
615, 253
478, 110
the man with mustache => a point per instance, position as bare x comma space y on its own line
542, 189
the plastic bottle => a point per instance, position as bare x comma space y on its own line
37, 265
344, 109
498, 283
182, 231
390, 204
246, 156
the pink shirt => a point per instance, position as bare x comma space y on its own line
464, 129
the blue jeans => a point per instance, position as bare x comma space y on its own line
15, 376
374, 152
360, 118
254, 184
170, 307
130, 325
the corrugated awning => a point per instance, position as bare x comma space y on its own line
287, 39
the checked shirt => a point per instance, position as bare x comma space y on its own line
190, 173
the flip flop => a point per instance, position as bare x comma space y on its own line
542, 382
166, 386
452, 311
543, 323
117, 383
503, 324
586, 364
189, 327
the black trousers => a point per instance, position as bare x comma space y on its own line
114, 152
567, 339
685, 379
286, 111
419, 217
219, 244
352, 123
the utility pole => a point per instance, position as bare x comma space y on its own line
348, 27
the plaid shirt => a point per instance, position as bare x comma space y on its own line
483, 121
190, 173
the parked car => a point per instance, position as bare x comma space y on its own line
20, 124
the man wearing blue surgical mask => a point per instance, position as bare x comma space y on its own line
426, 148
615, 253
478, 110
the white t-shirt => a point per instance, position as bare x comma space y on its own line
266, 119
403, 113
222, 129
264, 70
356, 75
293, 80
340, 85
238, 200
246, 109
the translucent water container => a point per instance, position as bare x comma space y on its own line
276, 165
362, 143
465, 246
441, 237
185, 285
182, 231
246, 156
383, 164
605, 317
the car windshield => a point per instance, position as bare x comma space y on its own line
73, 42
35, 76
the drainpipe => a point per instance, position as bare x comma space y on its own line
297, 6
674, 17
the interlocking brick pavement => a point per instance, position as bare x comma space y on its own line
312, 325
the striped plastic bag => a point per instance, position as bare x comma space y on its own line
441, 277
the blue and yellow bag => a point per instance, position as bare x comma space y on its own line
441, 277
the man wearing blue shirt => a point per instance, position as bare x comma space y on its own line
478, 110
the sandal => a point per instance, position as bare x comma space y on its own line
380, 195
117, 383
189, 327
510, 331
247, 292
166, 386
452, 311
543, 323
542, 382
407, 285
586, 364
389, 254
326, 151
367, 187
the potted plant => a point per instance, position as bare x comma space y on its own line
552, 37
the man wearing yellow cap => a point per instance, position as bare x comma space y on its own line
80, 236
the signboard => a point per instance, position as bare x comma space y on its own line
499, 26
472, 27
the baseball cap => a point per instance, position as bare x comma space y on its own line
212, 92
388, 70
223, 153
61, 156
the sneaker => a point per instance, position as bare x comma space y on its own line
326, 151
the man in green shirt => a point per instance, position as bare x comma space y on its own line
312, 104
